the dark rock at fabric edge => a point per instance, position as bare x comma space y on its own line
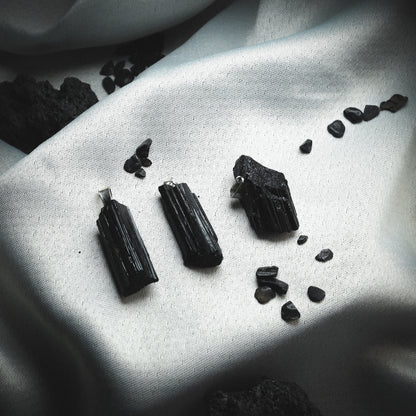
107, 69
264, 294
302, 239
108, 85
123, 78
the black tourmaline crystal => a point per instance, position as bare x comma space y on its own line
336, 128
315, 294
302, 239
290, 312
265, 196
126, 253
193, 232
268, 398
395, 103
324, 255
370, 112
267, 272
306, 147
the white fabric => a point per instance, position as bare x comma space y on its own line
70, 345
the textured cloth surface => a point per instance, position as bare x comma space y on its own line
258, 79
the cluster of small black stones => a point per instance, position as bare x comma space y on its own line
355, 115
139, 160
141, 53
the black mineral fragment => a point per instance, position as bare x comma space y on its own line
324, 255
277, 285
395, 103
267, 272
190, 225
337, 128
123, 78
306, 147
316, 294
264, 294
123, 246
302, 239
142, 151
370, 112
132, 164
118, 67
146, 162
141, 173
107, 69
265, 196
290, 312
108, 85
354, 115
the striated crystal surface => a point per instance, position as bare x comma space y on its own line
265, 196
267, 272
123, 246
190, 225
315, 294
277, 285
306, 147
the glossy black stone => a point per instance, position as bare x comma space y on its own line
123, 78
141, 173
395, 103
267, 272
264, 294
146, 162
277, 285
306, 147
370, 112
337, 128
268, 398
302, 239
142, 151
190, 225
316, 294
290, 312
108, 85
353, 114
324, 255
265, 196
132, 164
108, 68
125, 251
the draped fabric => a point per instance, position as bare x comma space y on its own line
258, 79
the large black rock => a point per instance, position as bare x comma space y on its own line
31, 112
190, 225
123, 246
268, 398
265, 196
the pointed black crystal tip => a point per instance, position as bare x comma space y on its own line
290, 312
142, 151
265, 196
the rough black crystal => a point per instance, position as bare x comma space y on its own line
277, 285
315, 294
123, 77
395, 103
118, 67
123, 246
146, 162
324, 255
267, 272
264, 294
265, 196
190, 225
142, 151
370, 112
132, 164
108, 85
306, 147
268, 398
353, 114
302, 239
337, 128
290, 312
108, 68
141, 173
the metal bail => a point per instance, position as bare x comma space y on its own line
105, 195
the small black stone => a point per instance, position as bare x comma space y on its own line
123, 78
141, 173
146, 162
108, 85
337, 128
143, 150
132, 164
306, 147
353, 114
264, 294
118, 67
370, 112
395, 103
267, 272
324, 255
315, 294
108, 68
137, 69
302, 239
277, 285
290, 312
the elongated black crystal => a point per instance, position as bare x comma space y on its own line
126, 253
265, 196
190, 225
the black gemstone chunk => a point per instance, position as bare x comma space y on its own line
123, 78
146, 162
265, 196
324, 255
108, 68
337, 128
395, 103
268, 398
290, 312
315, 294
302, 239
190, 225
264, 294
370, 112
132, 164
141, 173
123, 246
277, 285
143, 150
306, 147
108, 85
267, 272
353, 114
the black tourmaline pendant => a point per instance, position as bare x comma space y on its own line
193, 232
124, 248
265, 196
